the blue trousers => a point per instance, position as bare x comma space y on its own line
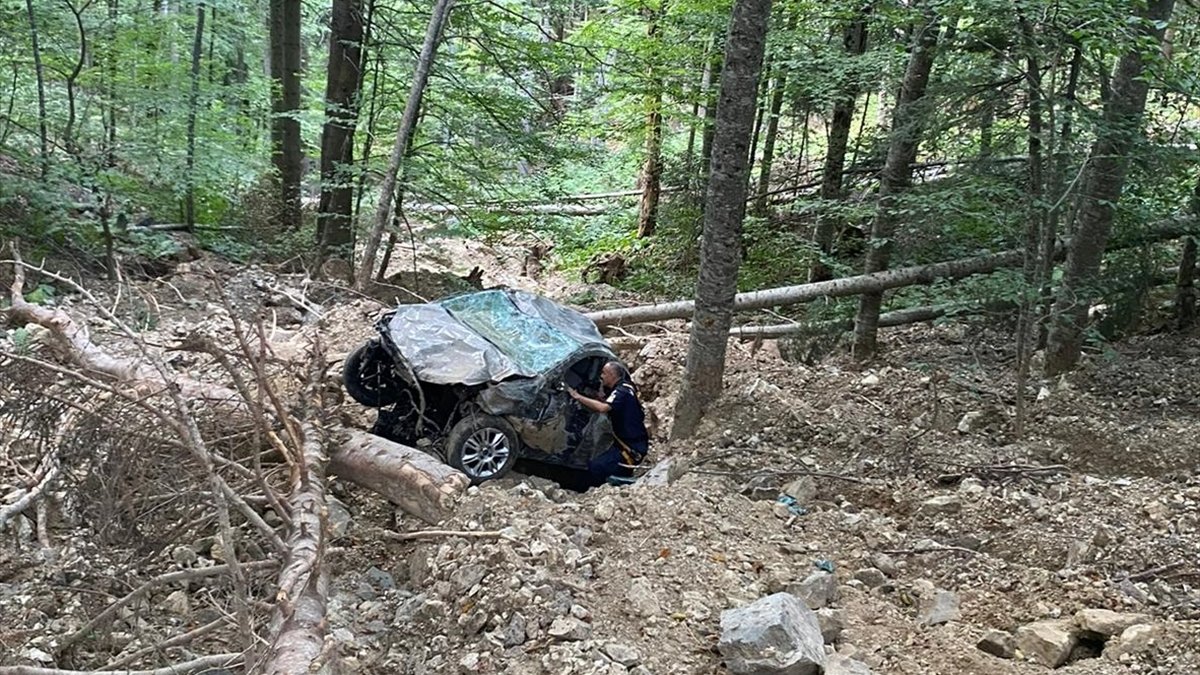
608, 463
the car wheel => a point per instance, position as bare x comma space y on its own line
483, 447
369, 376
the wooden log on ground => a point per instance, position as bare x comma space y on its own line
867, 283
299, 623
417, 482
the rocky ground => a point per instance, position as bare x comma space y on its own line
895, 501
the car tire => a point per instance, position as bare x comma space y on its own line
483, 447
370, 378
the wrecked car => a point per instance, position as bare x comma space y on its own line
480, 378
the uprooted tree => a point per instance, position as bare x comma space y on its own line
246, 447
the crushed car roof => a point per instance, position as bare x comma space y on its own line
489, 336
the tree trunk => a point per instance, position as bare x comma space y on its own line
1185, 283
343, 85
725, 207
387, 189
877, 282
709, 122
1034, 222
908, 121
298, 626
409, 478
189, 204
651, 178
768, 153
899, 317
1121, 125
699, 111
854, 42
39, 72
763, 104
1185, 295
287, 151
72, 78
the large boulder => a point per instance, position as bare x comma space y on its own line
775, 635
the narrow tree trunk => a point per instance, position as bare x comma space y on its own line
908, 121
343, 86
1034, 223
699, 111
768, 153
763, 105
286, 151
110, 88
709, 124
854, 42
387, 189
189, 205
1121, 125
43, 135
651, 178
1185, 283
411, 479
72, 78
725, 207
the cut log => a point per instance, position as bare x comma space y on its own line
417, 482
900, 317
513, 209
868, 283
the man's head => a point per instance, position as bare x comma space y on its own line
612, 373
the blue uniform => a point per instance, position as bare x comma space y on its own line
629, 426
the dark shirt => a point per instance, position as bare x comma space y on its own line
628, 418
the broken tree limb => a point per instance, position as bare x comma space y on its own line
876, 282
202, 664
47, 472
416, 482
899, 317
73, 339
514, 209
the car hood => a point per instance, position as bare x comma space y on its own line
489, 336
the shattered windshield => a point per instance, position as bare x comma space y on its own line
529, 341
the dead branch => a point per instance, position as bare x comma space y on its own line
47, 472
1002, 470
195, 665
437, 534
141, 591
930, 549
178, 640
795, 472
1153, 572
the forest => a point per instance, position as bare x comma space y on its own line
919, 273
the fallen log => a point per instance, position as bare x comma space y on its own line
202, 664
869, 283
513, 209
834, 288
415, 481
899, 317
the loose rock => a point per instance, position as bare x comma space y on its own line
643, 601
818, 590
939, 608
832, 622
622, 654
1047, 642
1107, 623
844, 665
998, 643
775, 635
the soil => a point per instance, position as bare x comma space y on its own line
909, 466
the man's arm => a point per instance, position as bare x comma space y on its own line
589, 403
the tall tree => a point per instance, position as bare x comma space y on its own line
1120, 127
408, 122
343, 85
651, 178
854, 42
725, 208
189, 205
39, 72
908, 124
769, 139
286, 149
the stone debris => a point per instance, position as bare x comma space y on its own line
819, 589
775, 635
1047, 642
844, 665
938, 608
1106, 622
998, 643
